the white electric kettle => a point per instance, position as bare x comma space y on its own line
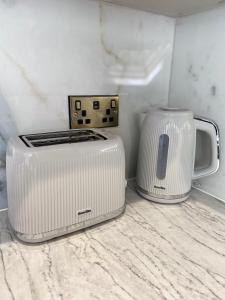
167, 154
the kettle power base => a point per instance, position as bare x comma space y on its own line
163, 200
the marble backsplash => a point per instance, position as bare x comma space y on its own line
198, 77
51, 49
3, 198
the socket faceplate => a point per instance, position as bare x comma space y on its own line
93, 111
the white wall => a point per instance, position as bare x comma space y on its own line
198, 78
50, 49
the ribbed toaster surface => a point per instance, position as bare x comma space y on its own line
55, 187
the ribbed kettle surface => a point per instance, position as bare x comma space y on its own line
178, 127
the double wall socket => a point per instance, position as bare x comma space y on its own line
93, 111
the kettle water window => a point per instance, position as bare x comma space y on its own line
162, 156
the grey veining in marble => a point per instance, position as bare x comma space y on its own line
153, 251
197, 80
53, 49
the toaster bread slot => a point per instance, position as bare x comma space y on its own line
64, 137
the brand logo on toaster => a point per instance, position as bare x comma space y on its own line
83, 211
159, 187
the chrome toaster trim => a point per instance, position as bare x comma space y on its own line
38, 238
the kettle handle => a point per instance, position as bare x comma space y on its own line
212, 130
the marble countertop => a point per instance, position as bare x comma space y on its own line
152, 251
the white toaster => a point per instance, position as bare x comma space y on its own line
61, 182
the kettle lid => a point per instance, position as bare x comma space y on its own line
174, 112
173, 109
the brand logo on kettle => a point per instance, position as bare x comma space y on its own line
159, 187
